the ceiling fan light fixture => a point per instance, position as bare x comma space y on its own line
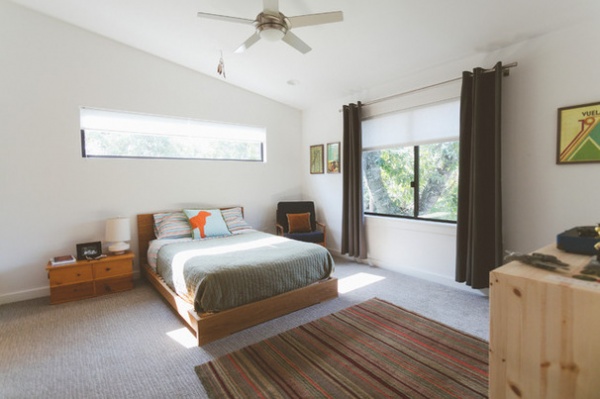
271, 34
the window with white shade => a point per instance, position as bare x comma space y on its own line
114, 134
410, 162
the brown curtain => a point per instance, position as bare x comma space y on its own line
479, 224
353, 231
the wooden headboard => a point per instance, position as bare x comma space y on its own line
145, 229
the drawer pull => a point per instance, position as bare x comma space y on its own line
108, 269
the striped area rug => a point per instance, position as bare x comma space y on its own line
371, 350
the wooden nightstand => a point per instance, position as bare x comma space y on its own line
90, 278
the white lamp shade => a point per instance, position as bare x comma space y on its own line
271, 35
117, 232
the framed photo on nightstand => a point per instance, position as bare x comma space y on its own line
89, 250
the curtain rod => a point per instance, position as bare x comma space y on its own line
505, 68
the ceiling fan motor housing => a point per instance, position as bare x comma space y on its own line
271, 26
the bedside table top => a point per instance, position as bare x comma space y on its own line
108, 258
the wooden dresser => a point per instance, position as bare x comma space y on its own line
86, 279
544, 331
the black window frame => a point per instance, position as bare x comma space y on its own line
124, 123
84, 154
415, 186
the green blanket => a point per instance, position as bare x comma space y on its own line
224, 273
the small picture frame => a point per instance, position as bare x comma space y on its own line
89, 250
316, 159
333, 157
578, 134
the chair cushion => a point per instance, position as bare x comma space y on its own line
285, 207
313, 236
299, 222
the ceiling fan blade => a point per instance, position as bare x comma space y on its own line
296, 42
271, 5
226, 18
316, 19
248, 43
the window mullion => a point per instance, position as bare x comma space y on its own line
416, 181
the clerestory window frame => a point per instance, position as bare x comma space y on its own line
102, 130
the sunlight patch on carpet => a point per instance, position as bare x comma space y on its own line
183, 337
356, 281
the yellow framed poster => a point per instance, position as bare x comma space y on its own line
578, 134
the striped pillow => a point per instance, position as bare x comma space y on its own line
234, 220
171, 225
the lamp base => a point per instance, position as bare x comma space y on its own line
118, 248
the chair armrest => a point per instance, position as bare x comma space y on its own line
321, 226
279, 229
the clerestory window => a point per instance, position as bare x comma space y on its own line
114, 134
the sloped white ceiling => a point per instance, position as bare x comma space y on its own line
378, 41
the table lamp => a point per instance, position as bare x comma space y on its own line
117, 233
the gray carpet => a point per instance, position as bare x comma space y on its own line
117, 346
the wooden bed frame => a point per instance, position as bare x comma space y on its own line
212, 326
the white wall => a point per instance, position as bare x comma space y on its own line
541, 199
52, 198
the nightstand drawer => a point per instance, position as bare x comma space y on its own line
60, 275
109, 285
71, 292
114, 268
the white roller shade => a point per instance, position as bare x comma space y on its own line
424, 124
114, 121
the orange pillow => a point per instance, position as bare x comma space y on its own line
299, 222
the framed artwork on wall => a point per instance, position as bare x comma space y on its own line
316, 159
333, 157
578, 134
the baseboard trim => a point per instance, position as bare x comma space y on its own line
24, 295
413, 273
35, 293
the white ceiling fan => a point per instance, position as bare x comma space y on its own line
272, 25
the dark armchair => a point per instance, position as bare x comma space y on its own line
297, 220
